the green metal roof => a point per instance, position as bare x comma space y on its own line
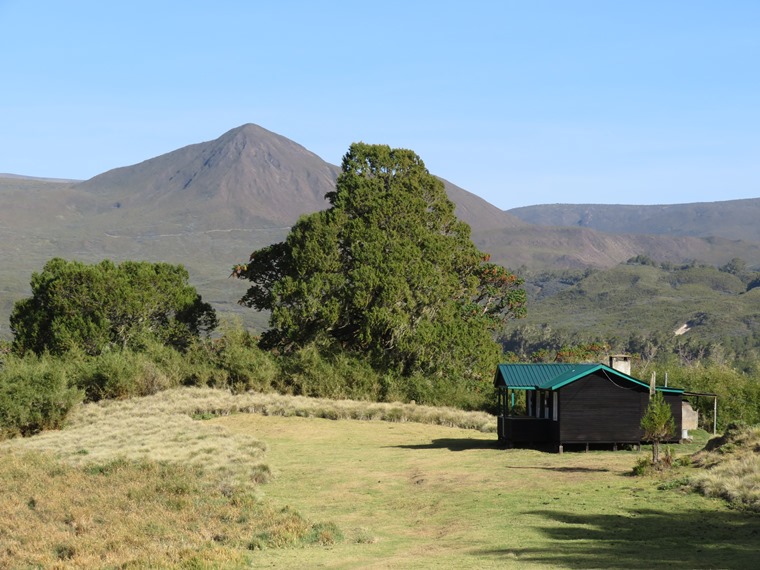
555, 375
531, 376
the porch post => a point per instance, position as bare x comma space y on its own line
715, 415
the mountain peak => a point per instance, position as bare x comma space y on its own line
248, 175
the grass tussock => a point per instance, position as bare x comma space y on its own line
136, 514
200, 402
153, 428
731, 466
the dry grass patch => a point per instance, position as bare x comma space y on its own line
140, 484
405, 494
161, 428
154, 428
136, 514
732, 467
208, 402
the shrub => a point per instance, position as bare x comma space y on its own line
232, 361
243, 363
309, 372
738, 392
643, 466
121, 374
657, 424
34, 395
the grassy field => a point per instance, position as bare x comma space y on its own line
140, 484
416, 496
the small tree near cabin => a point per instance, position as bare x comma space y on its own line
657, 423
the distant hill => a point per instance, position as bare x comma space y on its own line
731, 219
247, 177
4, 176
539, 247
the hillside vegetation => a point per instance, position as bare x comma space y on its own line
703, 304
135, 435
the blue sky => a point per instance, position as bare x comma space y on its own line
529, 102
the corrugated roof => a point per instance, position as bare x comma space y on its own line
535, 376
552, 376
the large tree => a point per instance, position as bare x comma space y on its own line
91, 307
387, 271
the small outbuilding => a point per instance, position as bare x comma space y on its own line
576, 404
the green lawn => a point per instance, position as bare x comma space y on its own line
419, 496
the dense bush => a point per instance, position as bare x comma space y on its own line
34, 395
96, 308
310, 372
121, 374
37, 392
233, 361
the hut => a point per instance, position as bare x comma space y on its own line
575, 404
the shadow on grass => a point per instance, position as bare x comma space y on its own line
643, 539
461, 444
562, 469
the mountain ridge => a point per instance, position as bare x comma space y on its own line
730, 219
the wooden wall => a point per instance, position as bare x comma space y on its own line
601, 410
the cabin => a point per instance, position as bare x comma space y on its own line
576, 404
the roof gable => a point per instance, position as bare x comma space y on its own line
554, 376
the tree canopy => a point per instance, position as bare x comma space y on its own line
387, 271
90, 307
